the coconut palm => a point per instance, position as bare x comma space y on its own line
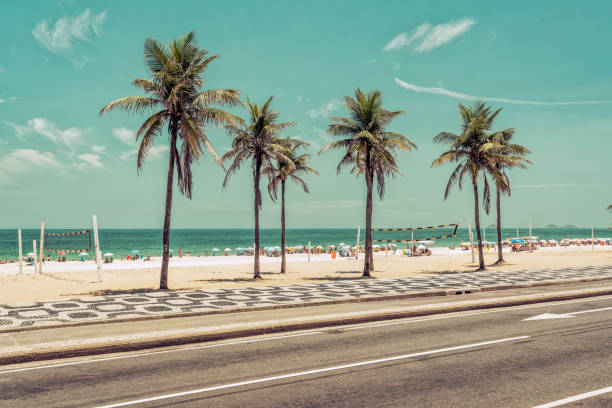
504, 155
258, 141
368, 148
467, 149
176, 97
281, 172
610, 207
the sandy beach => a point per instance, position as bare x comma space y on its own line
74, 279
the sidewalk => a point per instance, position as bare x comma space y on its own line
65, 342
164, 304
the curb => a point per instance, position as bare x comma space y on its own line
199, 335
407, 295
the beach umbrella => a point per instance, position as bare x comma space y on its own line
227, 249
518, 240
215, 249
30, 253
83, 254
108, 254
135, 251
421, 247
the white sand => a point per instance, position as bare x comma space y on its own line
70, 279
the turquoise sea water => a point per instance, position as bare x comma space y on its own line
122, 242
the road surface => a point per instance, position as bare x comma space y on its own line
560, 356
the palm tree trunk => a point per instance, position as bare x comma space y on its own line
500, 255
481, 263
163, 279
283, 245
256, 272
368, 231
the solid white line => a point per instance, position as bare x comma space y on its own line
503, 309
309, 372
367, 326
575, 398
590, 311
229, 343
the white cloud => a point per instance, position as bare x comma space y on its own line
20, 161
457, 95
127, 136
98, 149
430, 37
88, 160
155, 153
2, 100
62, 36
67, 137
325, 109
403, 40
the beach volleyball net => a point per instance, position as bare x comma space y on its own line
407, 235
76, 241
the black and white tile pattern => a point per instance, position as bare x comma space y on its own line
172, 302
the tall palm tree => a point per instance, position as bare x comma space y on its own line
258, 141
610, 207
466, 148
504, 155
368, 148
176, 97
278, 175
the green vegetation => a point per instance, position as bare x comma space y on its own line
258, 142
503, 155
178, 102
474, 150
369, 149
288, 170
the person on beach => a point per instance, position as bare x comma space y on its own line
181, 252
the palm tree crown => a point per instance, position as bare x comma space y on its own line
368, 147
178, 102
293, 170
258, 141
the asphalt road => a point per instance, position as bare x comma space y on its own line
490, 358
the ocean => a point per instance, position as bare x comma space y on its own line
122, 242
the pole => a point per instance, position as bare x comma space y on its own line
97, 245
471, 240
517, 232
357, 245
411, 243
35, 259
530, 237
42, 252
20, 252
592, 238
309, 251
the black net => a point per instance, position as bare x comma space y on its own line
432, 233
76, 241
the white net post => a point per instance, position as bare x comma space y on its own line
97, 246
20, 251
357, 245
34, 263
42, 247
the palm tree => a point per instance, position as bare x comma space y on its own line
369, 148
466, 148
175, 96
610, 207
292, 170
258, 142
503, 155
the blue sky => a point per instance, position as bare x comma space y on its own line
62, 61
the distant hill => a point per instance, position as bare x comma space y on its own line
492, 226
552, 226
569, 226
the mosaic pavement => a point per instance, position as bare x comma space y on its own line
170, 302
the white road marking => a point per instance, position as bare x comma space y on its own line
505, 309
309, 372
229, 343
564, 315
575, 398
366, 326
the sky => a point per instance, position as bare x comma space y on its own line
546, 63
